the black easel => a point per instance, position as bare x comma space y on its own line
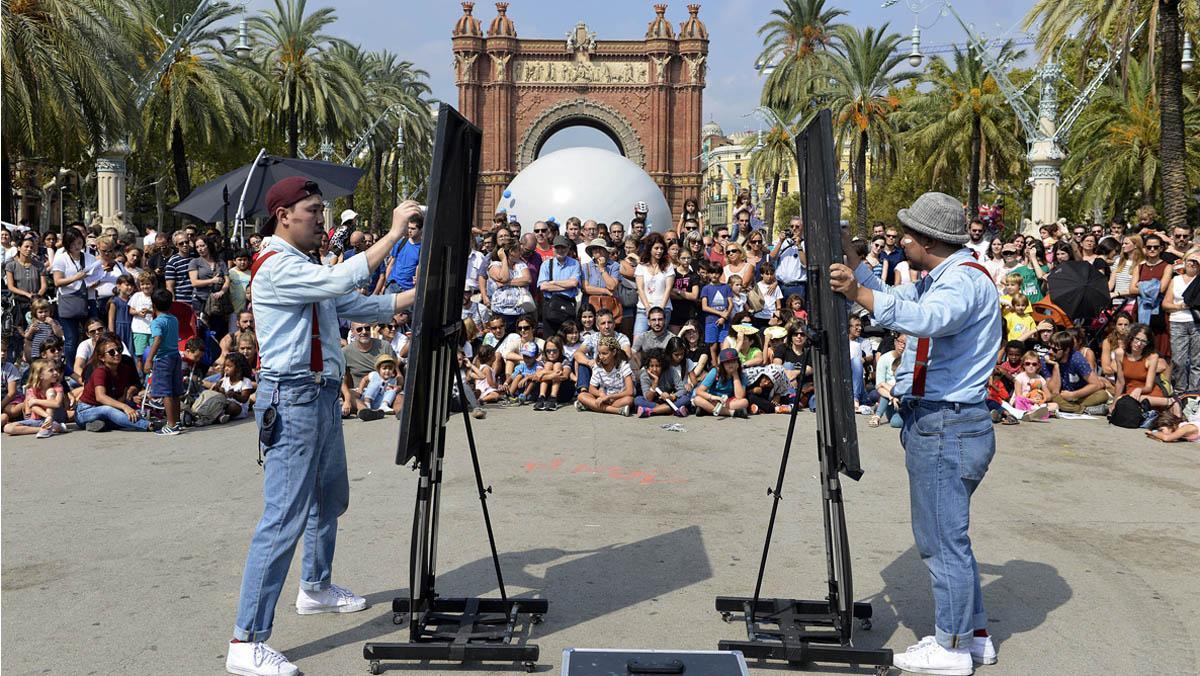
796, 631
453, 629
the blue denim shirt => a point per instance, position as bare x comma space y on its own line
568, 269
284, 289
959, 308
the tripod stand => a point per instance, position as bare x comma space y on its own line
808, 631
452, 629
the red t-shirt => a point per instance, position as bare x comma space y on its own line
546, 255
114, 384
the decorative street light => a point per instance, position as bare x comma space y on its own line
242, 48
915, 57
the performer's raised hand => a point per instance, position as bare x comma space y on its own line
841, 280
401, 215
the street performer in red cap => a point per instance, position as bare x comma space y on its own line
297, 303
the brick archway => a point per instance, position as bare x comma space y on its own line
580, 112
645, 94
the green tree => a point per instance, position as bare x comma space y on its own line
311, 87
203, 95
1113, 22
962, 118
1115, 159
862, 77
775, 157
794, 40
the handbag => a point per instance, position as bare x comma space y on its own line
73, 304
557, 308
218, 305
627, 292
755, 300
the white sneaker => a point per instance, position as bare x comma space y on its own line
929, 657
1039, 413
335, 599
258, 659
865, 410
983, 651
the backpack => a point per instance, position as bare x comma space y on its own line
209, 406
1128, 412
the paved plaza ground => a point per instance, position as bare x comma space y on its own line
122, 553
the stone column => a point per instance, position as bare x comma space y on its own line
110, 186
1045, 158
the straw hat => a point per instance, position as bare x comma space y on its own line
745, 329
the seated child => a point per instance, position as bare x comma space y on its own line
236, 385
380, 389
663, 393
1019, 320
524, 376
552, 374
1031, 393
723, 390
484, 376
611, 387
44, 410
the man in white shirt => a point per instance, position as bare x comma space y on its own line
790, 260
978, 244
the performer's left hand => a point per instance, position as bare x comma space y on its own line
841, 280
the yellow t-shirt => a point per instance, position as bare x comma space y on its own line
1019, 324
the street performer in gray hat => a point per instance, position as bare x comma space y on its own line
297, 303
953, 316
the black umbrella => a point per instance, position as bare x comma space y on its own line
212, 201
1079, 289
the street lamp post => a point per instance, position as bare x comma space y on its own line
1045, 130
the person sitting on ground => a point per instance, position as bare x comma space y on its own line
509, 349
662, 391
571, 341
1169, 426
610, 388
723, 390
361, 353
245, 324
45, 412
1074, 386
553, 373
380, 389
11, 408
696, 354
862, 355
888, 408
1114, 339
524, 381
1019, 319
107, 398
484, 375
236, 385
1139, 368
585, 358
765, 395
1031, 392
655, 338
745, 341
774, 344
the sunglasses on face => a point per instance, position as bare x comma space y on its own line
112, 352
551, 350
540, 231
890, 236
524, 327
723, 236
1032, 363
389, 327
361, 329
1153, 247
498, 327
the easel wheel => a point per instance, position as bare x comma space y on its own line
374, 667
726, 617
866, 624
536, 619
397, 618
530, 667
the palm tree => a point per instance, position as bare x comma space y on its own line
310, 84
860, 93
1115, 145
773, 154
964, 109
202, 95
64, 85
1113, 22
794, 40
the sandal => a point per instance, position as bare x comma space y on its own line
875, 421
1009, 420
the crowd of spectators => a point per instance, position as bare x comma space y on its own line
105, 330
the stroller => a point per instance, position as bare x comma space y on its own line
190, 326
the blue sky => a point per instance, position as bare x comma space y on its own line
419, 31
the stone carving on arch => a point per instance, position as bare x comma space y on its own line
587, 111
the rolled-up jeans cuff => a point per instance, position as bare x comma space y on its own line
314, 586
948, 640
251, 636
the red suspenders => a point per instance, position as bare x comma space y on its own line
316, 360
921, 366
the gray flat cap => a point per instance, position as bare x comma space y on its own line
937, 215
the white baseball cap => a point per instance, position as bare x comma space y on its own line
640, 208
348, 215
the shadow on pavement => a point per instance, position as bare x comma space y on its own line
1018, 595
581, 585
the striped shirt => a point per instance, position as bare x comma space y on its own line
177, 271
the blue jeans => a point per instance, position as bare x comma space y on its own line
375, 396
643, 402
305, 490
641, 322
583, 377
113, 417
793, 288
947, 449
886, 411
71, 329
